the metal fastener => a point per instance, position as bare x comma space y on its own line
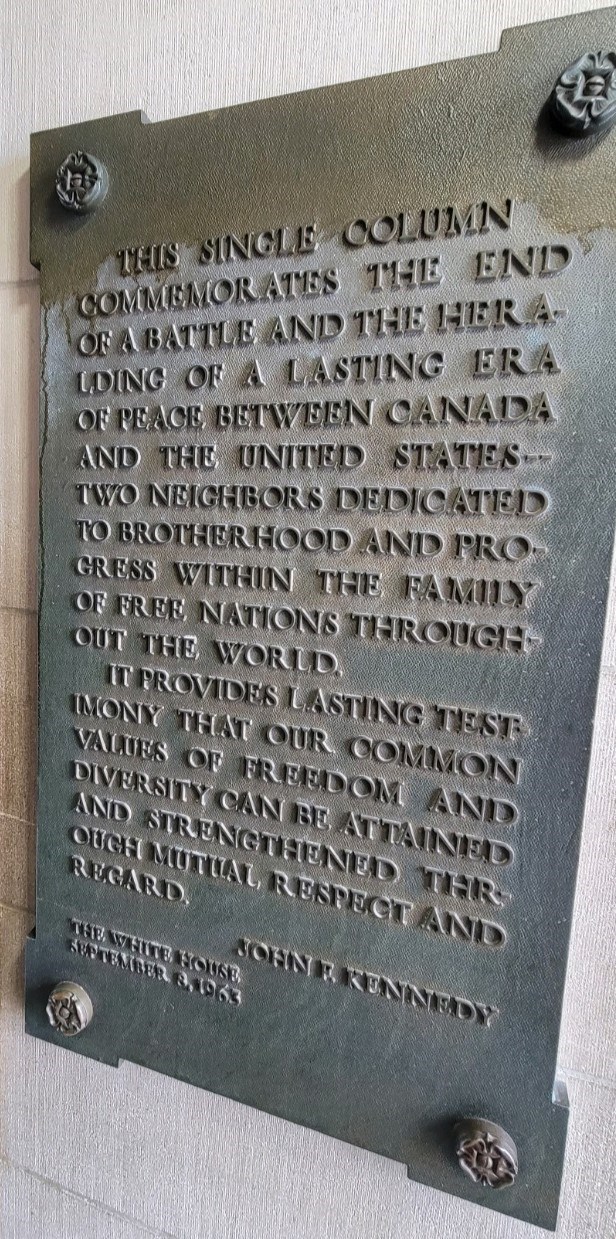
583, 100
486, 1153
69, 1008
81, 182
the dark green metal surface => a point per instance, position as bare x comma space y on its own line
382, 1075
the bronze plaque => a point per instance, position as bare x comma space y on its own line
327, 500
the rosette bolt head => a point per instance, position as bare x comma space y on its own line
81, 182
583, 101
69, 1008
486, 1153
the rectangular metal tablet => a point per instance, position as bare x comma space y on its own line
327, 408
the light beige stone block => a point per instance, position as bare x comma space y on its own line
19, 442
35, 1209
17, 864
18, 662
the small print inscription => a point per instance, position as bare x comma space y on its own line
156, 961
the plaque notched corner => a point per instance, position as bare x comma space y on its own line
65, 235
560, 1093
